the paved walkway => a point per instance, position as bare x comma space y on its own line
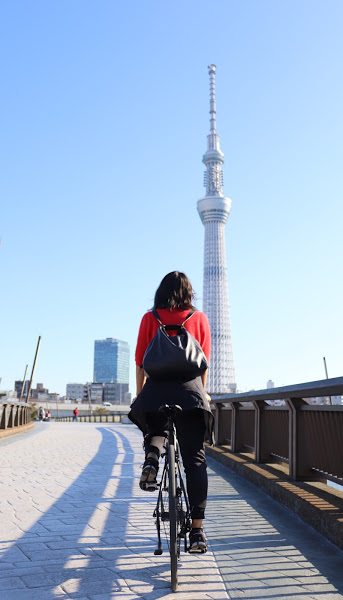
74, 524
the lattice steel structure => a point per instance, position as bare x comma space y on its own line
214, 210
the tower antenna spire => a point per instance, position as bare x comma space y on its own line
212, 74
214, 210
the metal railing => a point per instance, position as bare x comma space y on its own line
307, 437
92, 419
14, 415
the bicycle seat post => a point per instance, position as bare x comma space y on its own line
170, 412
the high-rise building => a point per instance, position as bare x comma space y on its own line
214, 210
111, 361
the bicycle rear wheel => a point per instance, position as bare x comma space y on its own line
173, 520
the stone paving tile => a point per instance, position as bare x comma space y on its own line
320, 587
36, 594
28, 547
159, 595
326, 596
262, 550
42, 580
19, 572
12, 555
10, 583
71, 565
86, 530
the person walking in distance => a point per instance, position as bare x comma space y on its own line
75, 414
173, 303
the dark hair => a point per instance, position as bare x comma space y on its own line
174, 291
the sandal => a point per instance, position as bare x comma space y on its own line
197, 542
148, 481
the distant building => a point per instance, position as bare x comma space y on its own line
96, 393
318, 400
325, 400
270, 386
75, 391
111, 361
10, 395
18, 385
117, 393
39, 392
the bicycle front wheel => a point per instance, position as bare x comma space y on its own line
173, 547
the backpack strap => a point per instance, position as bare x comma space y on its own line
170, 327
155, 313
188, 317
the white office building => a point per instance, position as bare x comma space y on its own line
75, 391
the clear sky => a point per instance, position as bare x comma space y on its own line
104, 117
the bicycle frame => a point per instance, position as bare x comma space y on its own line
172, 483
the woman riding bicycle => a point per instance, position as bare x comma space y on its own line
173, 303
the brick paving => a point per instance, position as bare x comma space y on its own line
74, 524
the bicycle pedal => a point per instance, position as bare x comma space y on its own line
197, 550
149, 487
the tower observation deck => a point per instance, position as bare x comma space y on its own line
214, 210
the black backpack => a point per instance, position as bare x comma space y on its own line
175, 357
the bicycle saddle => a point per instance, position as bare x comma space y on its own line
170, 410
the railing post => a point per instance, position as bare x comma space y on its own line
3, 424
11, 417
234, 408
294, 432
259, 454
218, 406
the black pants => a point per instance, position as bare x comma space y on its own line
190, 429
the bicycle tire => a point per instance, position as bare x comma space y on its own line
173, 540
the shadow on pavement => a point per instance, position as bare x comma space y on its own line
87, 543
263, 550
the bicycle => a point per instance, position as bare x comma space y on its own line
172, 502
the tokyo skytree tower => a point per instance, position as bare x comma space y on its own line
214, 210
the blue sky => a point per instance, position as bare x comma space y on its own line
104, 117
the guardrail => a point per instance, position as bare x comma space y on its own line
307, 437
93, 418
14, 415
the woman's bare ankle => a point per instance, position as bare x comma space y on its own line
197, 523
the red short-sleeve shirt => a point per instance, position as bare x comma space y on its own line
197, 325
